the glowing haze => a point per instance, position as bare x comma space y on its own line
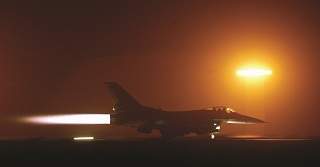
55, 57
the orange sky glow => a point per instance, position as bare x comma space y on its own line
178, 56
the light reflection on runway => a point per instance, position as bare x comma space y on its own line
267, 139
262, 138
279, 139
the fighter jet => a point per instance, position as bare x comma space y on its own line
129, 112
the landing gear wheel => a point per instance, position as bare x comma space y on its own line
212, 136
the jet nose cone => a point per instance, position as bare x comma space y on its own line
254, 121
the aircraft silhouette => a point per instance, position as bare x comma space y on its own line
130, 113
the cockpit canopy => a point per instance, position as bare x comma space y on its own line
221, 109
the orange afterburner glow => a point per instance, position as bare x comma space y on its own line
251, 72
70, 119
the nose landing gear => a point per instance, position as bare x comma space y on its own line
212, 136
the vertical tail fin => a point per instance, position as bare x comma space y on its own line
122, 100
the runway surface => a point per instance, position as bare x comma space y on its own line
156, 152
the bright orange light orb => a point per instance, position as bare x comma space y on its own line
251, 72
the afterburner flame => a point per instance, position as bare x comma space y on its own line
253, 72
70, 119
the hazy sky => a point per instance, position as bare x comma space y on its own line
178, 55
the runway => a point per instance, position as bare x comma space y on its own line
156, 152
